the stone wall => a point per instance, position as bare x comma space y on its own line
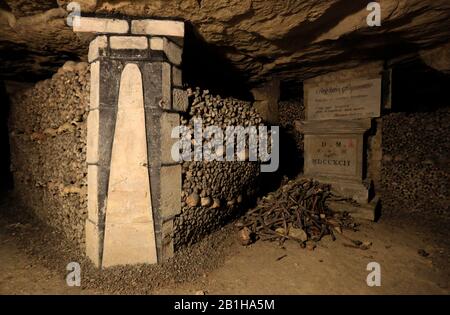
415, 166
47, 127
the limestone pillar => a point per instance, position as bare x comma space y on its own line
266, 101
134, 186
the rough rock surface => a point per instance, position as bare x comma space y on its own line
261, 38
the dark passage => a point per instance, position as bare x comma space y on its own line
418, 88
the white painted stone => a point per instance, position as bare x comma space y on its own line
127, 244
168, 122
93, 210
97, 48
100, 25
128, 42
92, 242
180, 100
172, 50
93, 130
95, 86
156, 43
158, 27
170, 190
166, 86
129, 229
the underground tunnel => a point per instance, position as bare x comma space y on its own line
224, 147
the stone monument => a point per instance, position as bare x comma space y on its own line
340, 111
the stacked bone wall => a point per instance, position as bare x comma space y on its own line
48, 143
47, 128
215, 191
292, 112
415, 166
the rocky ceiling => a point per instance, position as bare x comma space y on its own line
260, 39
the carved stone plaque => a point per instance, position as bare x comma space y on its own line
334, 156
343, 100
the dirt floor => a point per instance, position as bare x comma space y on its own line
413, 254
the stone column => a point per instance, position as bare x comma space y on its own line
134, 186
266, 101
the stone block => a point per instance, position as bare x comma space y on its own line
350, 189
128, 42
339, 155
128, 244
156, 43
100, 25
158, 27
173, 51
166, 82
170, 191
366, 211
334, 148
153, 78
351, 99
177, 77
110, 74
168, 121
98, 48
268, 111
93, 133
266, 101
167, 240
107, 122
93, 193
93, 242
340, 94
94, 101
180, 100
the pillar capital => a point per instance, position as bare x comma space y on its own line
151, 27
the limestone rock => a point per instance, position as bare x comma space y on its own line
261, 38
